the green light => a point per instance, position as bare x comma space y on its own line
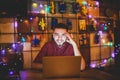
47, 9
105, 28
84, 2
21, 20
110, 59
111, 44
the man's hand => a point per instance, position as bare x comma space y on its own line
70, 38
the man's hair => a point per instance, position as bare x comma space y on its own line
60, 25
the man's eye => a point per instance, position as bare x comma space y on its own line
55, 34
63, 35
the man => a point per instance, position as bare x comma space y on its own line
62, 44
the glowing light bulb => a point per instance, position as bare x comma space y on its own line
93, 65
84, 2
11, 72
34, 5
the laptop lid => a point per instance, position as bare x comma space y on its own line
61, 66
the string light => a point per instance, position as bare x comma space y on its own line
47, 9
15, 67
3, 52
16, 24
84, 3
34, 5
41, 5
31, 18
42, 11
11, 72
85, 7
23, 39
90, 16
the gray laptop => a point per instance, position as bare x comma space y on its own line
61, 66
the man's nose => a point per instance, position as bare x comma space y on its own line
59, 37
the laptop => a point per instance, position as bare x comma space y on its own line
61, 66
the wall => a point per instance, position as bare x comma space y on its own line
7, 30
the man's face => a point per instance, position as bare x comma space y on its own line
59, 36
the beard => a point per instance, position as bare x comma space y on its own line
60, 43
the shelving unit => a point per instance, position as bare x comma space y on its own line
83, 27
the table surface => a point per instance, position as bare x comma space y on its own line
90, 74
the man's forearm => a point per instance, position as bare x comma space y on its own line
76, 50
77, 53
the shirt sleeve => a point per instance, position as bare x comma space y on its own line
42, 53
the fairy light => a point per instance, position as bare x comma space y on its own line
10, 69
97, 3
109, 59
34, 5
21, 20
90, 16
16, 24
42, 11
3, 52
41, 5
101, 34
31, 18
23, 39
93, 65
109, 23
84, 2
103, 41
113, 55
95, 21
47, 9
105, 61
111, 44
13, 45
102, 25
105, 27
11, 72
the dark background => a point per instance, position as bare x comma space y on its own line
13, 8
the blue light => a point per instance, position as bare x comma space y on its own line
3, 52
47, 9
105, 28
23, 39
11, 72
14, 46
